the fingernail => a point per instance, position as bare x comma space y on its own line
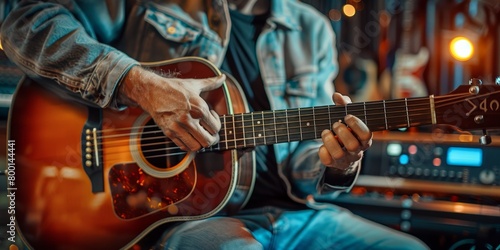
325, 132
336, 125
348, 119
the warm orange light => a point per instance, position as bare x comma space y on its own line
349, 10
461, 48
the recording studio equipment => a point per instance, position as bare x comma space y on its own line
444, 188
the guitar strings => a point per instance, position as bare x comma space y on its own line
341, 113
439, 102
323, 121
389, 118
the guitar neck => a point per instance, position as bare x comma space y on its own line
271, 127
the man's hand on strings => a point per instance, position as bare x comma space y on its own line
344, 144
176, 106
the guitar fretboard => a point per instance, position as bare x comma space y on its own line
271, 127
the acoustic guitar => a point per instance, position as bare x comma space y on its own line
90, 178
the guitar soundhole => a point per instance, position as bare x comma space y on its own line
157, 149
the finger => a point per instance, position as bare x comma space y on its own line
344, 134
209, 119
182, 137
203, 138
174, 139
192, 143
211, 83
332, 145
180, 144
325, 157
340, 99
360, 130
211, 122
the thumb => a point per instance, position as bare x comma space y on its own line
340, 99
211, 83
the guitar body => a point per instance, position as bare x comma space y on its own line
85, 181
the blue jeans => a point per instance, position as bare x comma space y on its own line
273, 228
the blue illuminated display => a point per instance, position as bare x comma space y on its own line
470, 157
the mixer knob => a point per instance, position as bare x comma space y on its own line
487, 177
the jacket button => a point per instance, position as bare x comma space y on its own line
171, 30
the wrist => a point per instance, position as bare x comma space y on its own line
128, 92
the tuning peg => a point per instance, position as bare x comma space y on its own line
475, 82
485, 139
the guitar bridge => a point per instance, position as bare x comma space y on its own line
91, 148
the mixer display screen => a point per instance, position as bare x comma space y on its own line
467, 157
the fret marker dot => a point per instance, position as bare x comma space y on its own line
260, 135
307, 124
230, 131
258, 122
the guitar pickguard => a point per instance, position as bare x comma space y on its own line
136, 193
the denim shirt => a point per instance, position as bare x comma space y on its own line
87, 47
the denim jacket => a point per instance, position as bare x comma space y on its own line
87, 47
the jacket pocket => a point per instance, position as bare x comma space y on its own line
171, 28
302, 85
301, 90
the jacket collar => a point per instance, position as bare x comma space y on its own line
281, 15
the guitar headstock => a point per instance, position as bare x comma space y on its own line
475, 106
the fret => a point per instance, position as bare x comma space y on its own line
385, 115
407, 115
300, 124
258, 123
263, 119
269, 128
314, 123
396, 111
419, 112
357, 109
307, 124
255, 124
230, 137
287, 128
374, 116
329, 115
223, 135
239, 134
280, 118
337, 113
248, 130
275, 130
364, 108
293, 124
322, 119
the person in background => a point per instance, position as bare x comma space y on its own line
283, 55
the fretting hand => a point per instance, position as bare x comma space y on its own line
344, 145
